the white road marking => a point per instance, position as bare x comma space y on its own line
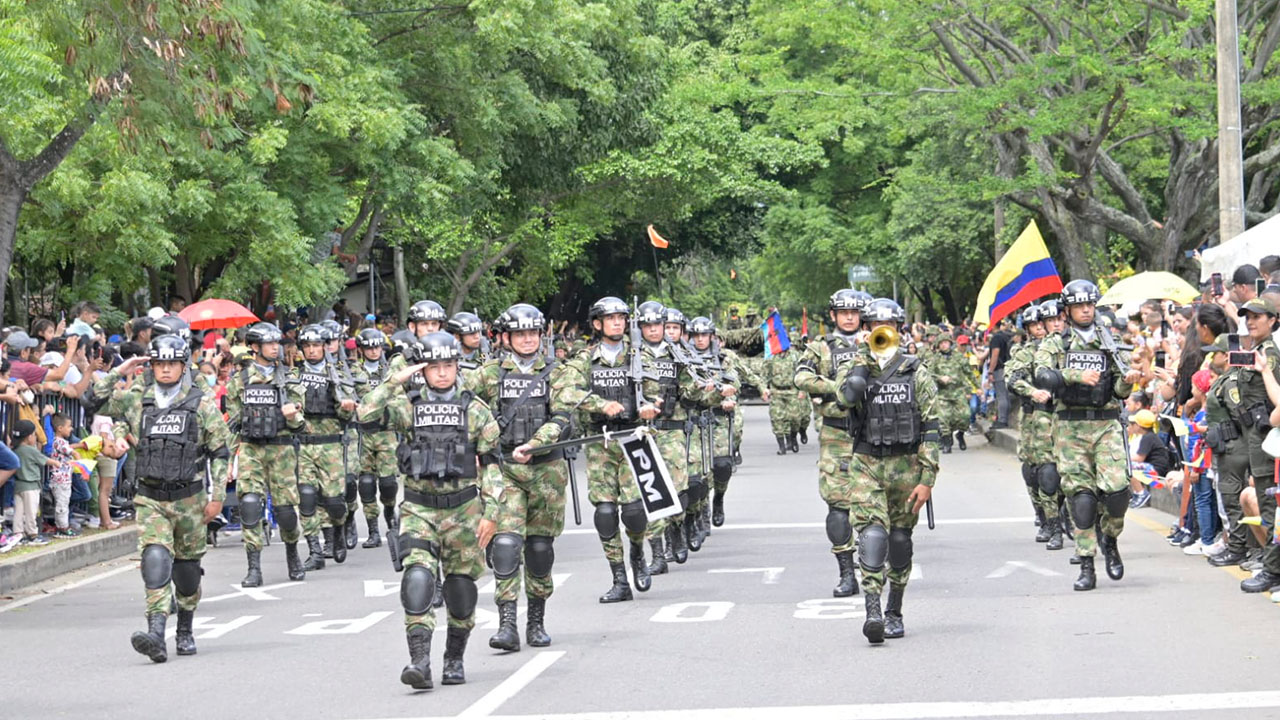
508, 688
256, 593
770, 575
340, 626
69, 586
822, 525
1013, 566
380, 588
830, 609
713, 611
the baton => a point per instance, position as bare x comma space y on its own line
928, 510
573, 486
604, 437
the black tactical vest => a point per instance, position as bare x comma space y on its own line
614, 384
1081, 395
169, 445
321, 395
260, 414
891, 413
522, 417
438, 447
840, 354
666, 370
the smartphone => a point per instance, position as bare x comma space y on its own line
1235, 356
1260, 285
1160, 358
1215, 282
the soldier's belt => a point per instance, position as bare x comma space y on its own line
1088, 414
320, 439
615, 428
841, 423
866, 448
1042, 407
169, 494
446, 501
668, 424
371, 427
1229, 431
278, 440
721, 412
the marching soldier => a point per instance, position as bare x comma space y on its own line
448, 461
816, 374
1035, 431
788, 405
469, 330
180, 441
737, 367
524, 388
720, 367
377, 476
265, 408
950, 371
1089, 376
894, 428
425, 317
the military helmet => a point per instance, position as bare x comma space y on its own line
425, 310
400, 341
169, 347
334, 329
262, 333
931, 331
675, 316
371, 338
523, 316
701, 326
436, 347
1080, 292
171, 325
1031, 314
501, 323
651, 312
883, 310
608, 305
848, 299
1050, 308
464, 323
314, 333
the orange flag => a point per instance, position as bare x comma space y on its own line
657, 240
733, 274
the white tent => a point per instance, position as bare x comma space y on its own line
1247, 248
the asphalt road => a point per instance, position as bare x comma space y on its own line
746, 629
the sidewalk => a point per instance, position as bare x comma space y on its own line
25, 566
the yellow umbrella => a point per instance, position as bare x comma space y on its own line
1152, 285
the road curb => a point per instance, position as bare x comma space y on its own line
67, 556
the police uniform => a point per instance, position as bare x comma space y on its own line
1257, 407
376, 480
1035, 438
1225, 420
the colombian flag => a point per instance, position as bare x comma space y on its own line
1025, 273
775, 335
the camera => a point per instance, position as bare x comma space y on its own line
1235, 356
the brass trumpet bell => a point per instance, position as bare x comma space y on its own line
883, 338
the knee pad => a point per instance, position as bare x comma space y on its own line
606, 520
839, 531
873, 548
308, 500
417, 589
721, 469
697, 491
539, 555
900, 548
337, 509
186, 577
368, 489
683, 497
460, 596
1050, 480
388, 489
504, 554
1117, 503
250, 509
1084, 509
351, 490
634, 518
157, 566
287, 517
1029, 474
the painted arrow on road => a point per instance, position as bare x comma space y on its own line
1014, 566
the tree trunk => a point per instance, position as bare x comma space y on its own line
949, 304
12, 195
402, 285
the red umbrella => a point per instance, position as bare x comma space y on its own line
211, 314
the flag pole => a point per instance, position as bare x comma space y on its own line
657, 272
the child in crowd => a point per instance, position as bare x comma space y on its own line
60, 478
27, 492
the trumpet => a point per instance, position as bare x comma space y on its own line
883, 338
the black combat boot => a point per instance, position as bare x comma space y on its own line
960, 440
693, 538
621, 590
944, 443
737, 457
253, 578
338, 538
676, 541
1039, 521
782, 445
893, 627
417, 674
293, 562
717, 508
151, 642
315, 556
349, 530
659, 564
793, 443
183, 640
873, 626
804, 436
848, 584
1064, 522
639, 570
327, 543
1087, 580
1055, 534
1111, 556
375, 539
1045, 531
389, 514
704, 520
455, 645
506, 638
534, 632
668, 553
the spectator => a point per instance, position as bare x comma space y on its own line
1148, 453
1199, 474
87, 313
1000, 345
31, 461
138, 330
45, 330
1269, 265
177, 303
60, 477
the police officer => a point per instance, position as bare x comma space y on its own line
1260, 317
377, 477
950, 370
448, 461
470, 333
721, 374
524, 388
180, 440
1225, 422
327, 405
1034, 421
894, 428
816, 374
265, 408
1089, 376
788, 405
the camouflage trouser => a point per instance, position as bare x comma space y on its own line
609, 480
881, 487
178, 526
453, 532
1091, 457
1040, 430
788, 411
532, 503
721, 442
953, 411
377, 458
737, 430
320, 466
268, 469
835, 484
671, 446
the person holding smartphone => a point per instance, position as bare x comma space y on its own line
1260, 319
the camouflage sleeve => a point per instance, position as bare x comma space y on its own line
1018, 371
1047, 355
927, 397
746, 373
485, 434
296, 394
232, 400
1123, 389
216, 440
576, 389
561, 409
472, 380
388, 398
129, 411
809, 372
105, 387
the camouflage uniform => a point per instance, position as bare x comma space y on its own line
789, 407
377, 448
741, 372
1035, 430
953, 406
725, 367
322, 461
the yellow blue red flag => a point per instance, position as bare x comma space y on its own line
1025, 273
